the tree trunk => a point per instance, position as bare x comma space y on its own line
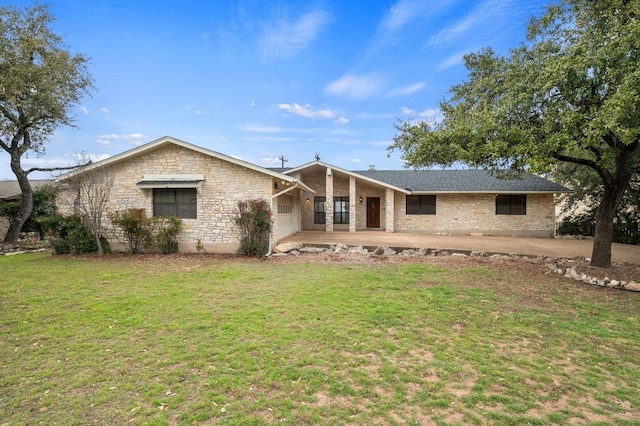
611, 198
27, 201
603, 235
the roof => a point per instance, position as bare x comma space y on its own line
373, 180
9, 189
171, 140
462, 181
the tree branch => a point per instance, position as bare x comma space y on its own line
53, 169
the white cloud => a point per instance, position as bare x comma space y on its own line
306, 111
407, 111
85, 110
257, 128
407, 90
451, 61
342, 120
486, 15
356, 87
270, 160
405, 11
282, 38
105, 110
133, 138
430, 113
81, 157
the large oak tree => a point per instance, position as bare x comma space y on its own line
40, 84
570, 95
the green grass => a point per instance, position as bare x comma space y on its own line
206, 340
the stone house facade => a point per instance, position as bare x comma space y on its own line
204, 187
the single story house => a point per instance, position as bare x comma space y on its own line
172, 177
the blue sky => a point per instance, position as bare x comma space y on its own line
260, 79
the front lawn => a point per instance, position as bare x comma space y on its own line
164, 340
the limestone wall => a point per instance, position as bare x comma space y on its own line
225, 184
475, 213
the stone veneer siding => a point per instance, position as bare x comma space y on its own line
225, 184
475, 213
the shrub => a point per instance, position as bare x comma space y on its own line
253, 223
166, 229
136, 228
67, 234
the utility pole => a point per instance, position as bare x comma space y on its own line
283, 160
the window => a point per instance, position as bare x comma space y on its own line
285, 204
340, 209
511, 204
180, 202
421, 204
319, 210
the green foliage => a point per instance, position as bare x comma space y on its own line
571, 95
67, 234
41, 84
165, 230
626, 227
44, 204
136, 228
253, 223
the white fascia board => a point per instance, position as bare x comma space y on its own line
348, 173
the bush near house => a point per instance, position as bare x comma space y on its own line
254, 222
67, 234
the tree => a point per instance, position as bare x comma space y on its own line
92, 188
44, 204
40, 83
571, 95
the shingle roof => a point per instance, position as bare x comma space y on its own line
10, 189
461, 181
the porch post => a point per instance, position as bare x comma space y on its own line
390, 210
352, 204
329, 202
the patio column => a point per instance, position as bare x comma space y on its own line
328, 208
389, 211
352, 204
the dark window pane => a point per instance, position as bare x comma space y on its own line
319, 210
511, 204
181, 202
421, 204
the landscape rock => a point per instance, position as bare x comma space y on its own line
458, 255
479, 254
571, 273
409, 252
379, 251
422, 251
358, 250
287, 247
312, 250
340, 248
632, 286
388, 251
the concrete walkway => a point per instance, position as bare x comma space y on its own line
526, 246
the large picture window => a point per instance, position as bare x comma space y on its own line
340, 209
421, 204
511, 204
319, 210
180, 202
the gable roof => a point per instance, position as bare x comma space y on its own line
10, 189
166, 140
359, 175
461, 181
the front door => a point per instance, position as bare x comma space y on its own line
373, 212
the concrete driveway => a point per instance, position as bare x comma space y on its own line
526, 246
